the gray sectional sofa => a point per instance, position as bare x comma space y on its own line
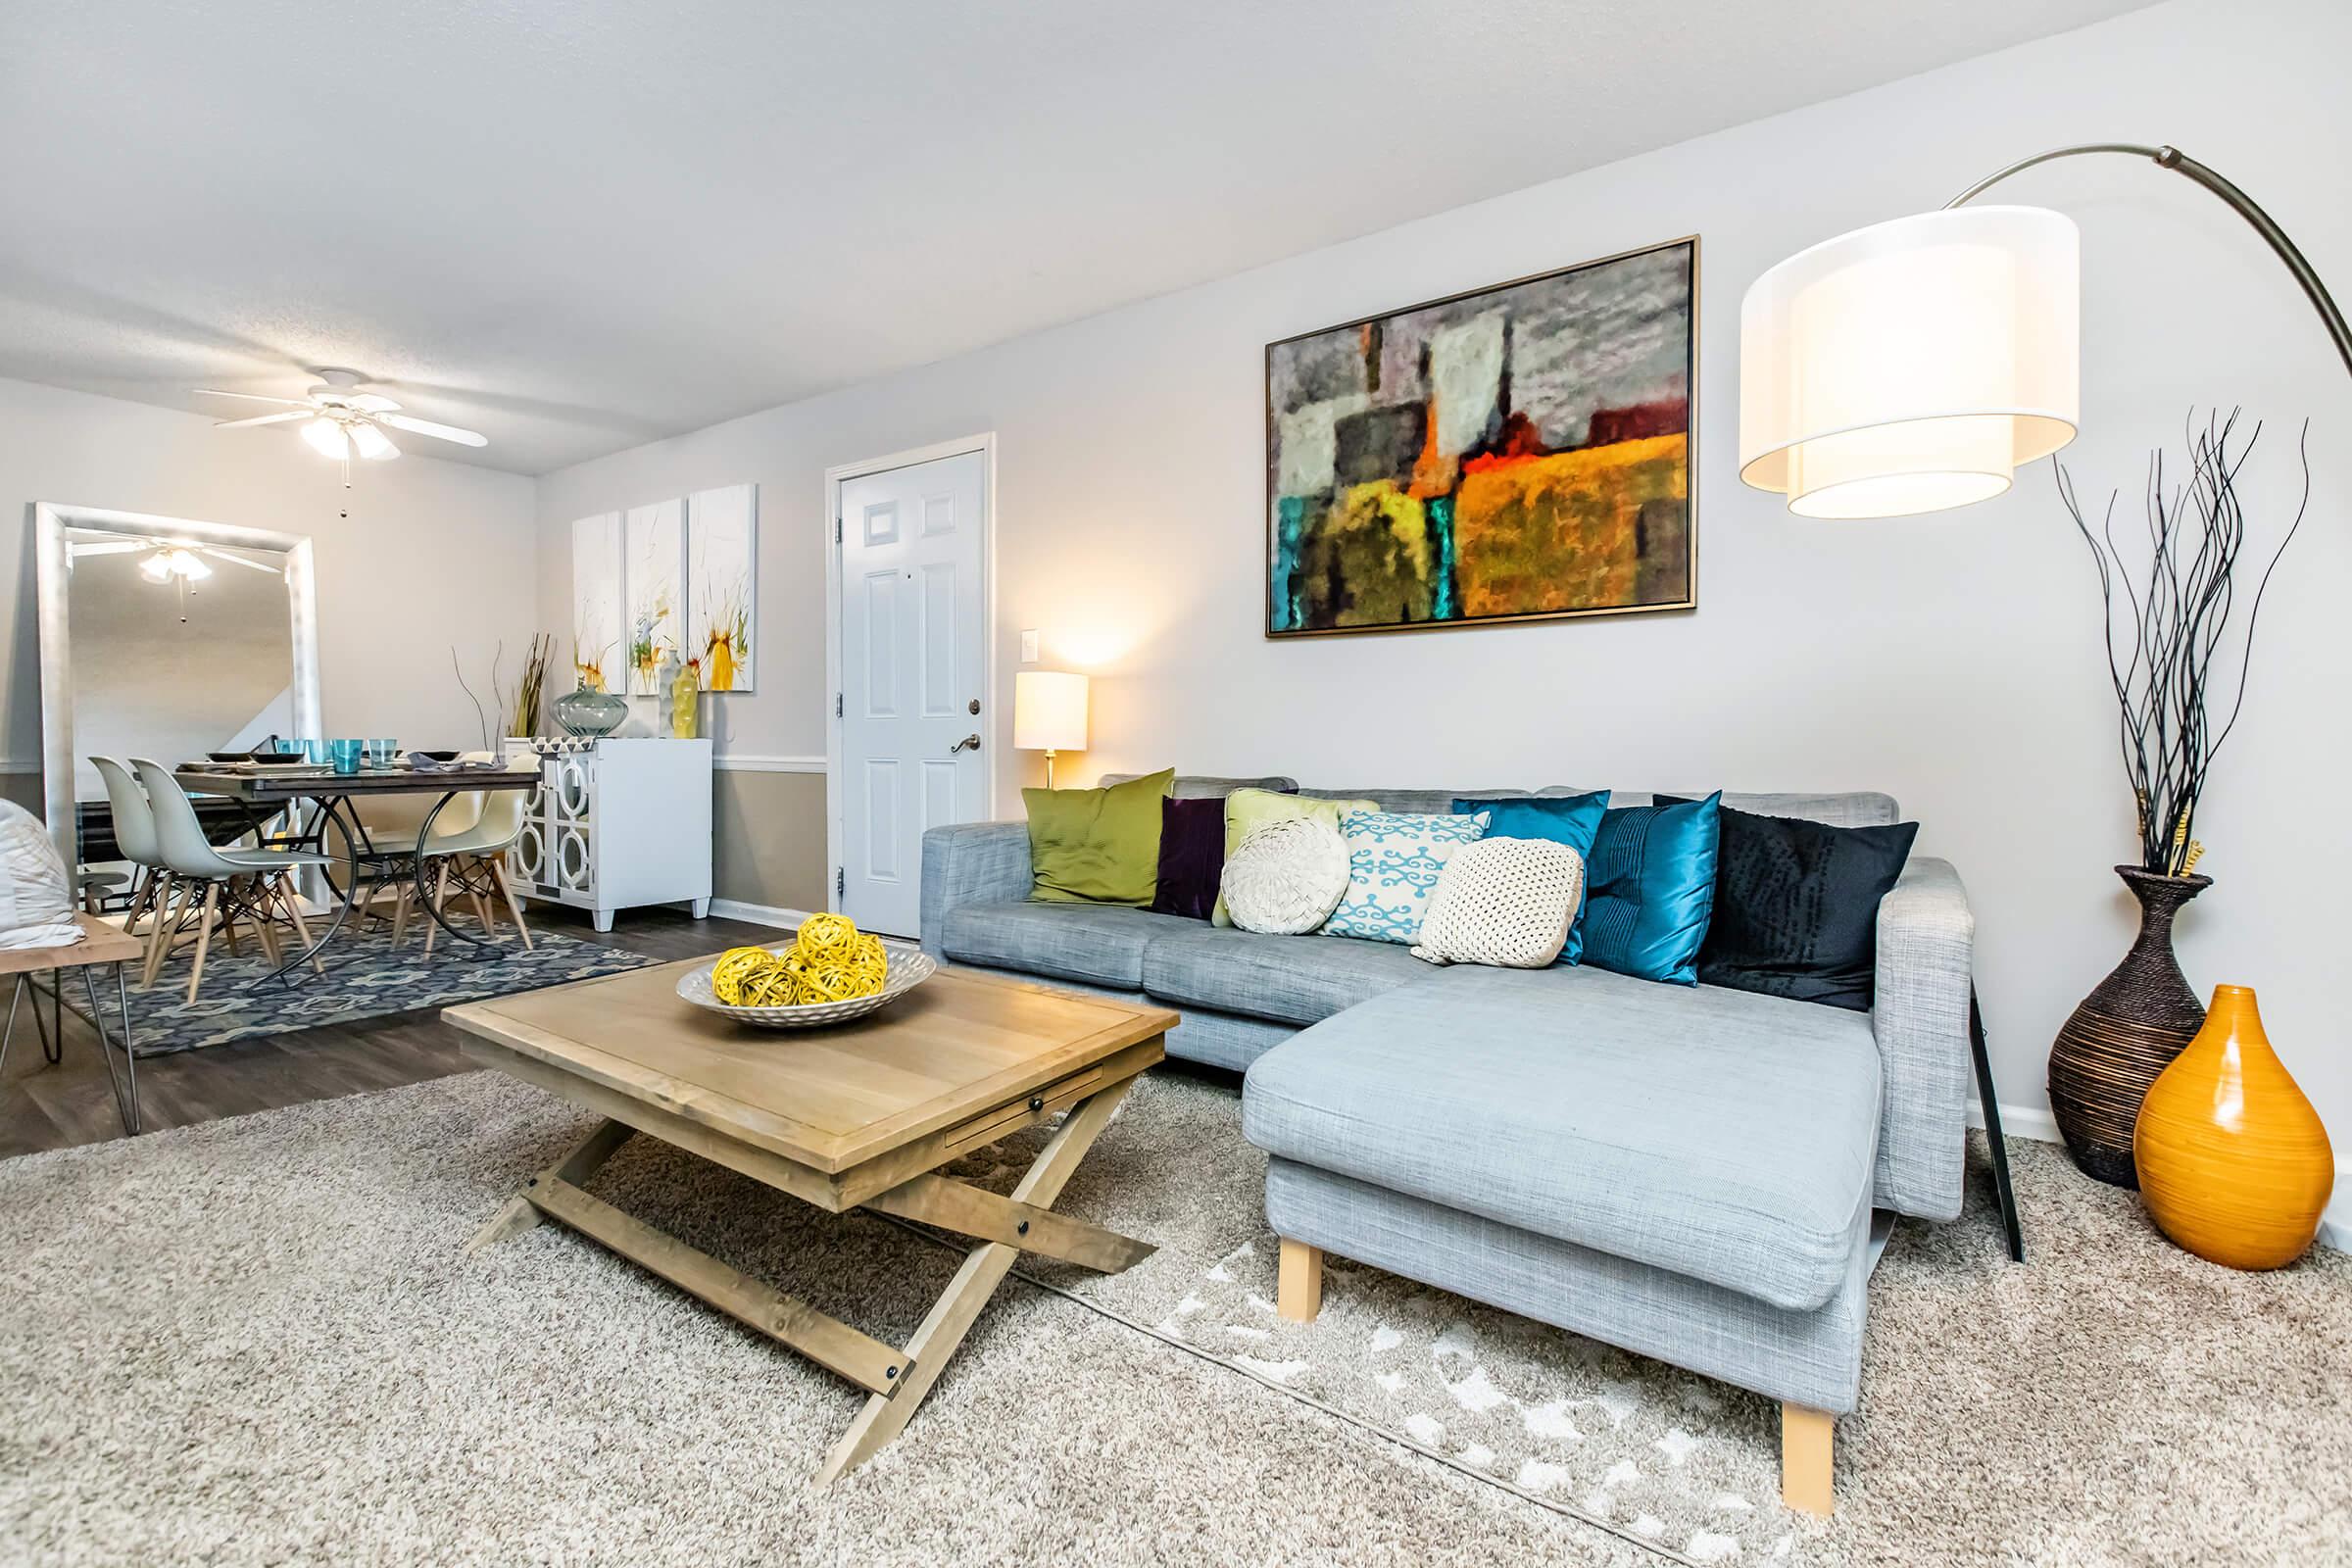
1691, 1173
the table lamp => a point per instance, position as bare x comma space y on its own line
1912, 365
1049, 713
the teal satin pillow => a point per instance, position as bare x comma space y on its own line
1570, 819
1649, 890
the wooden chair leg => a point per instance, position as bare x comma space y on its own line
158, 935
400, 914
292, 902
204, 936
228, 927
1808, 1446
506, 890
440, 889
1298, 1285
481, 911
265, 920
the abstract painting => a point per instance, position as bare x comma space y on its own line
1518, 452
596, 603
656, 538
721, 581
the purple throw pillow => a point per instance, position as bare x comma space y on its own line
1192, 856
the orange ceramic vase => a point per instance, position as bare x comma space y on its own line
2232, 1160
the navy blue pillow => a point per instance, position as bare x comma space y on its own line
1570, 819
1192, 856
1649, 890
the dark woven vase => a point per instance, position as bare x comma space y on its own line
2124, 1032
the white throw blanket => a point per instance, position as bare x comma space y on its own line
37, 894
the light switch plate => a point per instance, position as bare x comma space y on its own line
1029, 648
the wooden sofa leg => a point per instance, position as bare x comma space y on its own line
1807, 1440
1298, 1289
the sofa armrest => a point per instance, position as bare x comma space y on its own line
1927, 935
971, 863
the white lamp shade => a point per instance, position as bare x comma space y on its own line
1912, 365
326, 437
1049, 711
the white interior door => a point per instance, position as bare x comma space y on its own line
913, 649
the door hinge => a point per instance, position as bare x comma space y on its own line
837, 705
837, 530
840, 882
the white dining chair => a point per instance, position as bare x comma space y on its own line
134, 836
216, 885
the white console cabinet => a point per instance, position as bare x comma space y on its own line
616, 823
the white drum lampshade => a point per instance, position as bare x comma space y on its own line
1049, 713
1912, 365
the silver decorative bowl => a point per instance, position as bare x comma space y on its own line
906, 967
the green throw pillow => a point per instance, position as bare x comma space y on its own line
1245, 809
1097, 846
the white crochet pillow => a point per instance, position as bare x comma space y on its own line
1504, 902
1287, 876
36, 897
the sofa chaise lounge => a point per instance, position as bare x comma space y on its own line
1689, 1173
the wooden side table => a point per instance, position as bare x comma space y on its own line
100, 944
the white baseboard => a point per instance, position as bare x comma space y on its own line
2020, 1121
757, 914
760, 763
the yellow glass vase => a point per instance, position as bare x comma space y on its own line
685, 701
2233, 1162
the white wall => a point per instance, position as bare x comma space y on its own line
433, 553
1952, 661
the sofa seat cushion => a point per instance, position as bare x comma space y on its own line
1098, 944
1721, 1135
1290, 979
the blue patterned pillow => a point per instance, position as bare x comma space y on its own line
1392, 865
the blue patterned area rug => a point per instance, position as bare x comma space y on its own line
365, 977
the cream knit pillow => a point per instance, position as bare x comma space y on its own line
1287, 876
36, 896
1504, 902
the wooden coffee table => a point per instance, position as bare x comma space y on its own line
857, 1117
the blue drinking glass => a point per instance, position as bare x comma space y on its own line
382, 752
316, 750
345, 754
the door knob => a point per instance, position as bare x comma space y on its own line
973, 706
970, 743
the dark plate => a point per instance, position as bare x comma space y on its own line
442, 756
230, 756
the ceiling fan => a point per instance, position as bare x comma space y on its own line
342, 420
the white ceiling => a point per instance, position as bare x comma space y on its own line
580, 227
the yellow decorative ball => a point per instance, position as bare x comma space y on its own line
829, 960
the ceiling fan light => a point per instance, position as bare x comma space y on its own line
189, 564
326, 437
371, 442
156, 567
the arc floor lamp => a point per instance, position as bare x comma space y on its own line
1913, 365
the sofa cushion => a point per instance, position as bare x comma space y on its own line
1206, 787
1099, 944
1434, 802
1719, 1134
1288, 979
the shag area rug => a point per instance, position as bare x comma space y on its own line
256, 1341
365, 977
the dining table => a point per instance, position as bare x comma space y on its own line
315, 799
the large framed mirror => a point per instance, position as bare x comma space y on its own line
169, 638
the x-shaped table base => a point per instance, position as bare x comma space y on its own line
895, 1379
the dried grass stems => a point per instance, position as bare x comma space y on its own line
2169, 625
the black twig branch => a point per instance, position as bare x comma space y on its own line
2169, 625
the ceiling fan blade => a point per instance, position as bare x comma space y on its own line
251, 397
106, 547
238, 561
261, 418
372, 402
447, 432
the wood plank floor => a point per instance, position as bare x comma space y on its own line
44, 1106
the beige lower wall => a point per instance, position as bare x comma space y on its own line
768, 833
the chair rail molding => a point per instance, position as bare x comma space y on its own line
767, 762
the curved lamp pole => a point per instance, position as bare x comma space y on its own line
2173, 159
